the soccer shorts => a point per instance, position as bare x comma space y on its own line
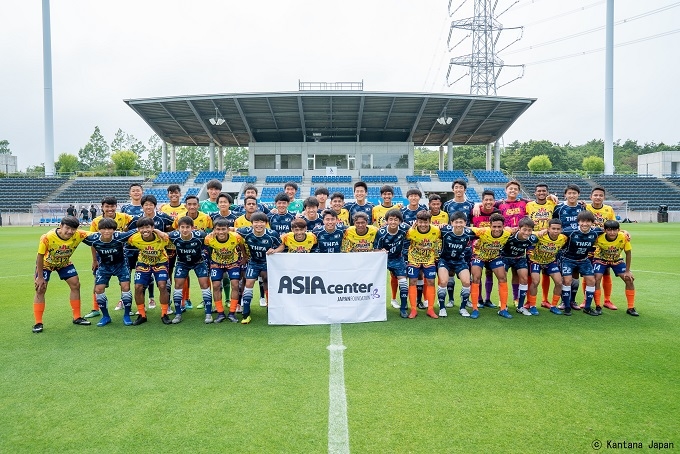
517, 263
182, 270
64, 273
254, 269
397, 267
217, 273
549, 268
145, 274
105, 272
600, 266
491, 264
584, 267
429, 271
453, 265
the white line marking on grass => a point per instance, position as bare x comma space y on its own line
338, 432
656, 272
12, 277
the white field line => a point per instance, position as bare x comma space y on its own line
656, 272
19, 275
338, 432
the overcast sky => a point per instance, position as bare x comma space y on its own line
104, 52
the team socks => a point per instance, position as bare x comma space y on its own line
75, 307
515, 291
394, 282
488, 285
419, 286
102, 300
127, 301
245, 301
207, 300
177, 300
522, 289
38, 311
607, 286
590, 293
95, 304
545, 286
441, 296
403, 292
630, 298
503, 295
450, 287
464, 297
474, 295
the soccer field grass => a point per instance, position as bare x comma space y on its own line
530, 384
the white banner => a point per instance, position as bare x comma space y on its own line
317, 289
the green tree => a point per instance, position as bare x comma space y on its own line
67, 163
540, 163
593, 164
4, 147
124, 141
194, 158
235, 158
425, 159
94, 155
124, 161
154, 154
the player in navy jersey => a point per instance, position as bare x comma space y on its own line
280, 218
567, 212
310, 213
575, 260
360, 205
514, 255
322, 195
329, 236
409, 212
391, 238
453, 260
110, 261
459, 202
250, 190
261, 242
189, 249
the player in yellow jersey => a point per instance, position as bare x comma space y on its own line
152, 264
54, 254
540, 211
298, 240
174, 208
602, 213
250, 207
424, 243
337, 204
608, 250
439, 216
379, 211
543, 259
359, 237
227, 254
486, 250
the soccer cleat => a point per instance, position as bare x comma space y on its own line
576, 307
464, 313
239, 309
200, 305
119, 306
126, 320
38, 327
533, 311
170, 310
139, 320
220, 317
474, 314
403, 313
81, 321
442, 312
422, 305
449, 303
93, 314
395, 304
598, 309
489, 304
152, 303
263, 302
590, 311
166, 320
561, 306
582, 305
104, 321
431, 314
413, 314
609, 305
232, 318
246, 320
177, 319
567, 312
545, 304
555, 310
520, 310
188, 304
208, 319
630, 311
505, 314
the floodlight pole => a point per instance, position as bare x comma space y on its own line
609, 92
47, 95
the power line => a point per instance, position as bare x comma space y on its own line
568, 13
592, 51
592, 30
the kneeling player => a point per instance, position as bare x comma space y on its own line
455, 240
608, 255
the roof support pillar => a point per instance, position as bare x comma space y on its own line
173, 161
497, 155
164, 156
220, 159
211, 155
488, 156
449, 153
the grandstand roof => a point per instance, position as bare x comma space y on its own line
330, 116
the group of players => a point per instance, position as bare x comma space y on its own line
226, 246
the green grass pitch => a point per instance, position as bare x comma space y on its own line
530, 384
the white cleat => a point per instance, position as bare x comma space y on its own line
464, 313
263, 302
395, 304
442, 312
523, 310
449, 303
